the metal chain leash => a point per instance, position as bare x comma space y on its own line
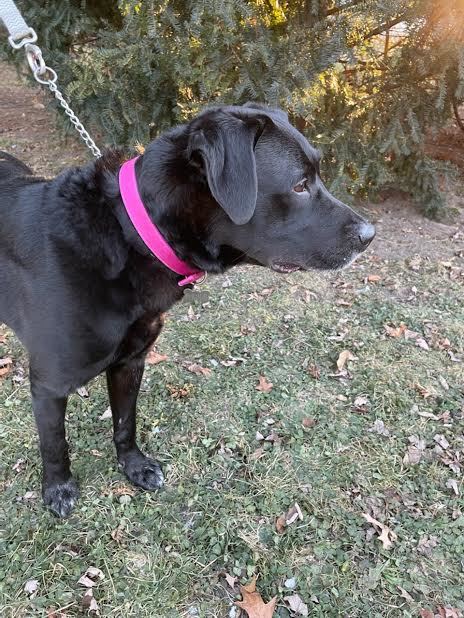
23, 36
51, 83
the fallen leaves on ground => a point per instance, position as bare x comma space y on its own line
118, 533
386, 535
120, 490
453, 484
426, 544
308, 422
415, 450
379, 427
5, 365
89, 604
373, 278
424, 391
361, 404
295, 602
91, 577
31, 587
314, 371
264, 386
179, 392
442, 612
106, 414
198, 369
153, 358
289, 518
395, 331
343, 358
252, 602
230, 580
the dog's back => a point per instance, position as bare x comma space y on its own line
11, 167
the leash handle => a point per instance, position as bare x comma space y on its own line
19, 32
20, 35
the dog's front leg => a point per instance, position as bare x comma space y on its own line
123, 388
59, 489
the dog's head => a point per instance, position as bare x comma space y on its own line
255, 180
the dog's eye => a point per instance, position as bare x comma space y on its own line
300, 187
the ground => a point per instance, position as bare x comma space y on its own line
378, 436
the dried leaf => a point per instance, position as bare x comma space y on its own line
89, 604
314, 371
449, 612
31, 587
5, 365
106, 414
386, 535
426, 613
153, 358
361, 404
441, 440
309, 422
373, 278
122, 490
264, 386
395, 331
443, 383
91, 577
295, 602
230, 580
405, 594
198, 370
424, 391
412, 456
422, 343
19, 465
379, 427
179, 392
118, 533
288, 518
252, 602
281, 524
426, 544
452, 484
343, 358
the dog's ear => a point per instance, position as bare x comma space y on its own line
225, 144
271, 111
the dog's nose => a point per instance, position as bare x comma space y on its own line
366, 233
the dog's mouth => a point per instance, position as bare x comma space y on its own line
285, 267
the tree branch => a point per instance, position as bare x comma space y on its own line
339, 9
384, 27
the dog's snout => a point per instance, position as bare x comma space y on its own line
366, 233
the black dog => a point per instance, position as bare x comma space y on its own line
85, 295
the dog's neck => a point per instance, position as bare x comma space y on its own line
181, 215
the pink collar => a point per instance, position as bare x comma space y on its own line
147, 230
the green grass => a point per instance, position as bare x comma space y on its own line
217, 513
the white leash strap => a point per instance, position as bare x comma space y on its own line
19, 31
23, 36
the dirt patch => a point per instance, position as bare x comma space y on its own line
29, 130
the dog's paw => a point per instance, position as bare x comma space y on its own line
61, 498
143, 471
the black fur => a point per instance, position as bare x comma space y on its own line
85, 295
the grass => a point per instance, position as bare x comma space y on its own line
165, 554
